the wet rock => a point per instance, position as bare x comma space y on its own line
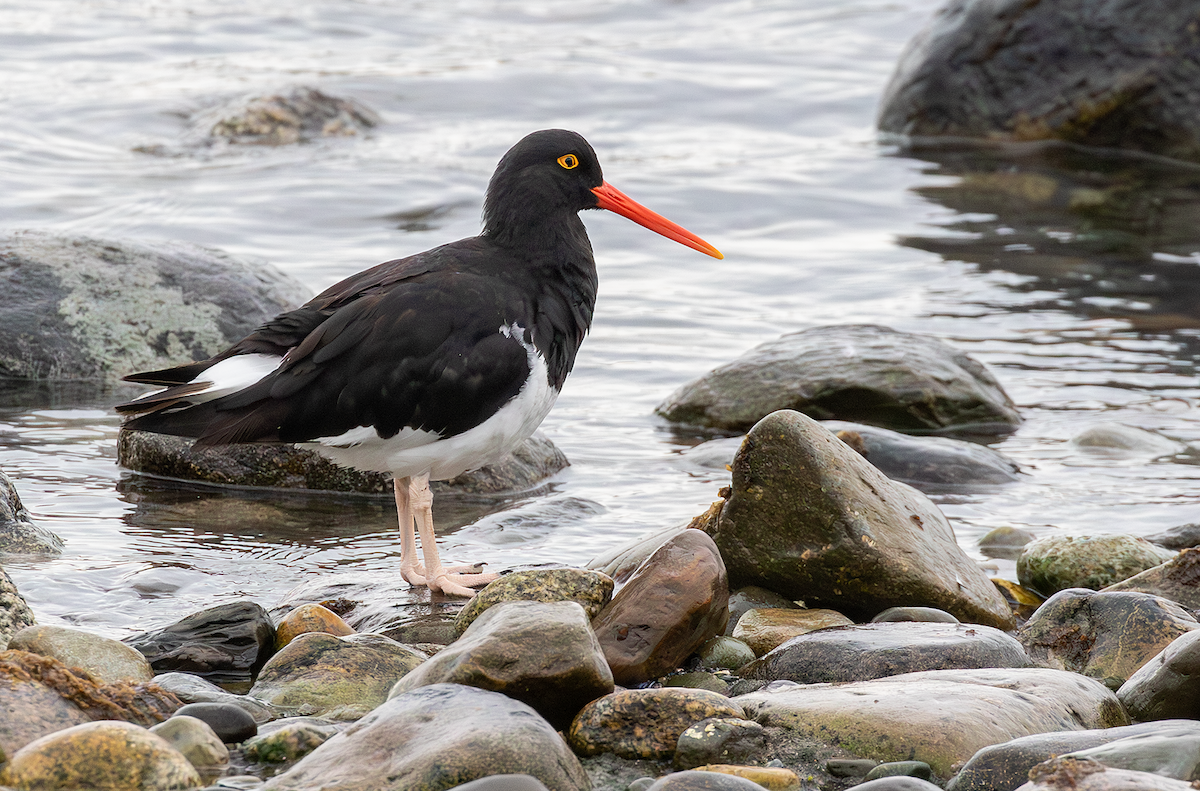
193, 689
1057, 562
897, 783
941, 717
918, 769
752, 597
299, 115
1177, 537
196, 740
231, 724
341, 678
725, 652
309, 618
1120, 75
1172, 750
40, 695
916, 614
693, 780
809, 518
927, 462
1084, 774
645, 723
436, 738
763, 629
106, 659
292, 467
1003, 767
15, 614
698, 679
289, 740
541, 653
1126, 440
226, 643
866, 651
621, 561
1106, 636
503, 783
1005, 542
675, 601
857, 372
373, 603
1168, 685
1178, 580
1023, 601
109, 755
592, 590
720, 740
87, 308
19, 535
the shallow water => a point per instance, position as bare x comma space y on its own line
1073, 275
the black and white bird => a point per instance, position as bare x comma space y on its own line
427, 366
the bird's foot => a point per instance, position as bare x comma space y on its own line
453, 583
414, 574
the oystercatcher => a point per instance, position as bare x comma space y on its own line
427, 366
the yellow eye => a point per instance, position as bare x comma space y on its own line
568, 161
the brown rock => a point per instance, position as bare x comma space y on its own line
676, 600
767, 628
1178, 580
540, 653
309, 618
645, 723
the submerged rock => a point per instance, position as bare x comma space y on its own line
858, 372
941, 717
87, 308
810, 518
109, 755
291, 467
1057, 562
1122, 439
226, 643
541, 653
437, 738
1106, 636
19, 535
927, 462
675, 602
866, 651
1119, 74
299, 115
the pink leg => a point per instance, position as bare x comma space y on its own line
448, 581
411, 569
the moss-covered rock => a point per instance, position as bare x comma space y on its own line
1057, 562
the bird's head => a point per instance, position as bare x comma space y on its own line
555, 172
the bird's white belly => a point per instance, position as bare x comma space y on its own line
415, 451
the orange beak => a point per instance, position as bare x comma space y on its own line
611, 198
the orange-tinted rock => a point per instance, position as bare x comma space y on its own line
309, 618
676, 600
767, 628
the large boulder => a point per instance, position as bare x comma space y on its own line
941, 717
809, 518
859, 372
84, 308
542, 653
301, 114
437, 738
1117, 74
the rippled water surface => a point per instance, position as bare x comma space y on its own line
1073, 275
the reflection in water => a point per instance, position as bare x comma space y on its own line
1101, 236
